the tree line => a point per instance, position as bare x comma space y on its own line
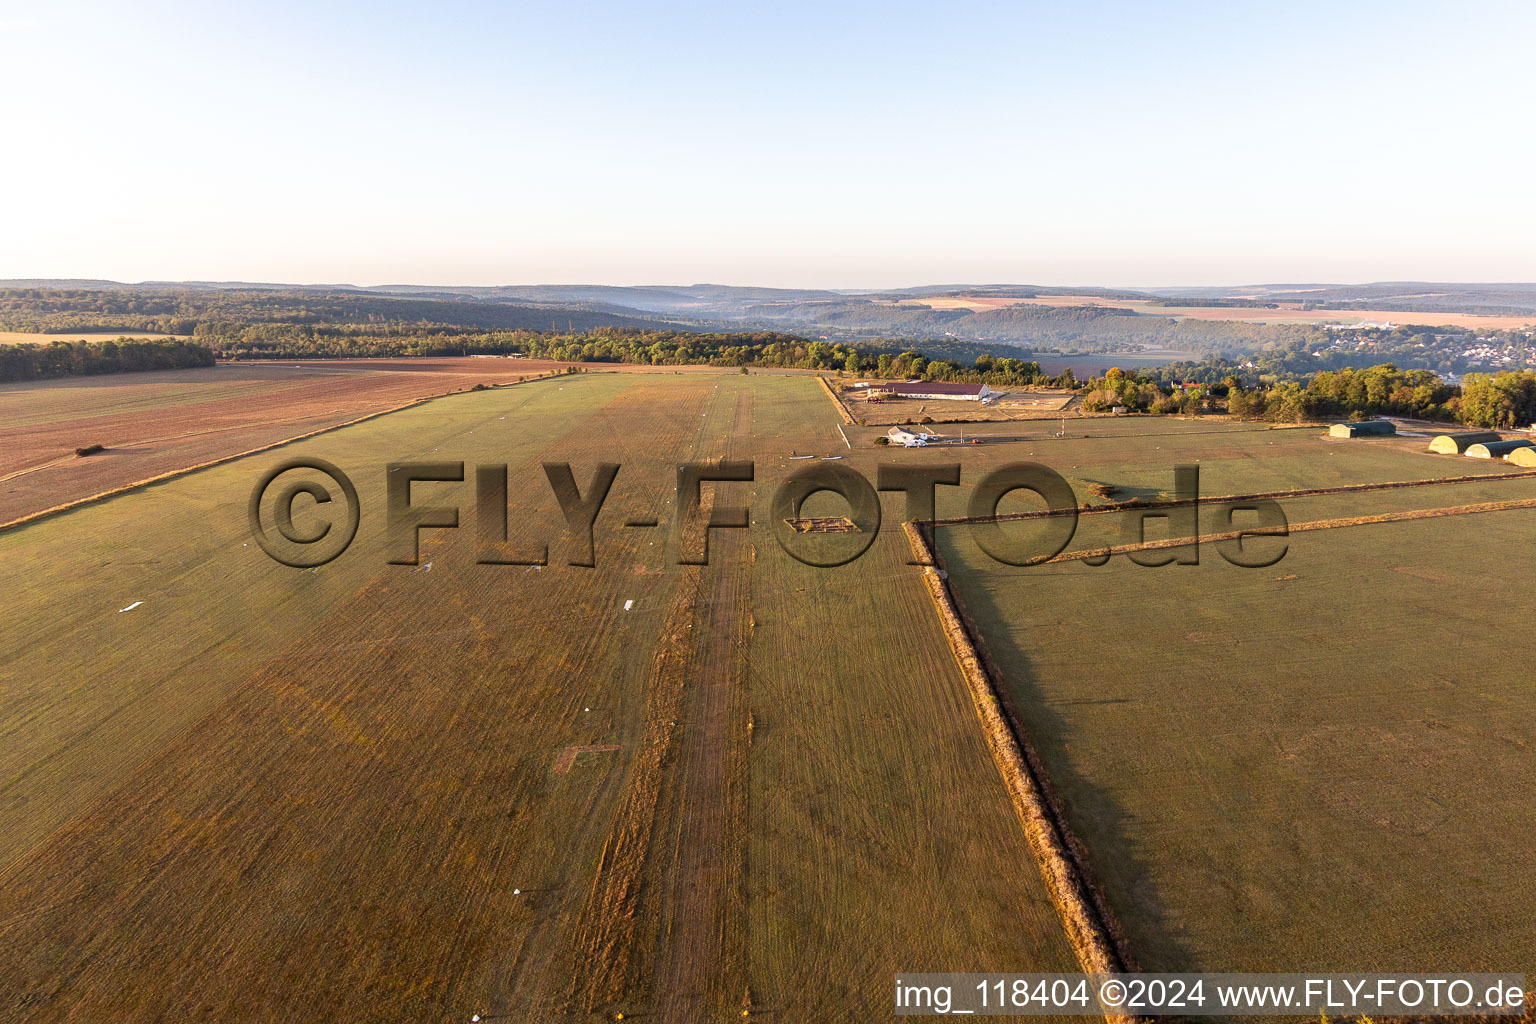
1381, 390
1502, 400
767, 349
82, 358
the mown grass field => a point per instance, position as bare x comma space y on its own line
351, 793
1316, 765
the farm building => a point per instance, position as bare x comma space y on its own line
918, 438
939, 390
1366, 428
1455, 444
1522, 457
1496, 449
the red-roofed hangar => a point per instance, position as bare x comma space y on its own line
937, 390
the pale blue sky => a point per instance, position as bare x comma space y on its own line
843, 145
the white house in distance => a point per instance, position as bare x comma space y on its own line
908, 439
937, 390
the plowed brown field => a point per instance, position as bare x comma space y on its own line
155, 423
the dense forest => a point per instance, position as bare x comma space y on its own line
219, 313
82, 358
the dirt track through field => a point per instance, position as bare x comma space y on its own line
702, 968
590, 956
664, 917
605, 937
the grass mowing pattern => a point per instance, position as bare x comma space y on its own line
312, 795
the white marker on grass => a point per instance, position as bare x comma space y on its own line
628, 605
130, 607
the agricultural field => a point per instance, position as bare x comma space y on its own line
154, 423
1323, 761
366, 791
678, 792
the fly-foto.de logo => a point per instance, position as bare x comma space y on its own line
332, 511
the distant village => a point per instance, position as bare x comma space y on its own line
1508, 350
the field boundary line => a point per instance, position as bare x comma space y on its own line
68, 506
1307, 492
1403, 516
841, 408
1091, 931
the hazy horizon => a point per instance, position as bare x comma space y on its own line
909, 286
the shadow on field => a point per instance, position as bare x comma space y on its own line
1101, 843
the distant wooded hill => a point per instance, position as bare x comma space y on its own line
210, 310
237, 316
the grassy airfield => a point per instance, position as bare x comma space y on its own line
351, 793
